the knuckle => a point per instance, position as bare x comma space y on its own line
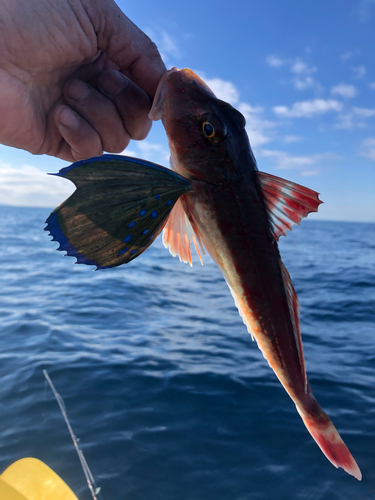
77, 90
88, 150
141, 132
117, 146
152, 49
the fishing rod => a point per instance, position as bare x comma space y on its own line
94, 490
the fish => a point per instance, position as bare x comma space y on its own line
214, 198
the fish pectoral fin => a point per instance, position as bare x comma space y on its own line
178, 235
287, 203
119, 207
293, 304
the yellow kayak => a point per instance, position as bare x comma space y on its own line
31, 479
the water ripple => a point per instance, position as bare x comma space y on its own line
169, 395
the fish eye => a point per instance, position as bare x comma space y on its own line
213, 128
208, 129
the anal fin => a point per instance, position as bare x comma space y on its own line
293, 304
241, 311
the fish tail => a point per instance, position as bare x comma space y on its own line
329, 440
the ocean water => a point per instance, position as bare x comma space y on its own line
162, 383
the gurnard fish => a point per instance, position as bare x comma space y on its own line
214, 197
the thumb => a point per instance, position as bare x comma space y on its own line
126, 45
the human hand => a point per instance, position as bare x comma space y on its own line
76, 78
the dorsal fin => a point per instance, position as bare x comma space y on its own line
178, 234
293, 304
287, 203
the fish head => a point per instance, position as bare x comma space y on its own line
207, 136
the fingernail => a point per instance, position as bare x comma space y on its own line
112, 82
68, 118
78, 90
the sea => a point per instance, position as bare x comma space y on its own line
167, 393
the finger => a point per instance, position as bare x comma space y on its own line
80, 139
100, 113
90, 72
132, 103
126, 45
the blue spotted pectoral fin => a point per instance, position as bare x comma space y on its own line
119, 207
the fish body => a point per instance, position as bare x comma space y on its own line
229, 214
249, 260
217, 199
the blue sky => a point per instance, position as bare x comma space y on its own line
302, 73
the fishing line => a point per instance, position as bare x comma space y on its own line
94, 490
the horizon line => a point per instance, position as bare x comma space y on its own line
307, 219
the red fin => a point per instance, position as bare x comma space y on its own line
329, 441
293, 304
178, 234
241, 311
287, 202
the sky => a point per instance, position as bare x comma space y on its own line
302, 74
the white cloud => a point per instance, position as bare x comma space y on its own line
129, 152
156, 153
30, 187
301, 71
169, 45
275, 62
372, 85
310, 173
284, 160
300, 67
307, 82
256, 125
349, 54
307, 164
308, 109
354, 118
303, 83
369, 142
223, 90
364, 11
368, 148
344, 90
292, 138
346, 121
165, 43
296, 65
359, 71
364, 112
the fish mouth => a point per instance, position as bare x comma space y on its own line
186, 75
157, 111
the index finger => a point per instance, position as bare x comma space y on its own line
126, 45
